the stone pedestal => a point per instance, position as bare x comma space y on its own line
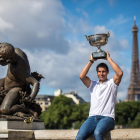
19, 124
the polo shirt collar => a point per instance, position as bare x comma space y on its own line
98, 82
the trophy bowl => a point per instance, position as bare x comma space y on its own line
98, 40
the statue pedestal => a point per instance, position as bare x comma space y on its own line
19, 124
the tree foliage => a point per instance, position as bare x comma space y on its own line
61, 114
127, 112
136, 122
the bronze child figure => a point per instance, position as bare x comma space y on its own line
15, 92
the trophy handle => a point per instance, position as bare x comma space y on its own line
87, 38
108, 34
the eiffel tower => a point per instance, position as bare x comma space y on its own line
134, 86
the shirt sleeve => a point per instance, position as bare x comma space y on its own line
115, 87
92, 85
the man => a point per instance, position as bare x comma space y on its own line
17, 80
103, 98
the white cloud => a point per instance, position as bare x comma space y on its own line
124, 43
5, 25
99, 10
100, 29
82, 12
111, 2
37, 6
33, 24
119, 20
79, 26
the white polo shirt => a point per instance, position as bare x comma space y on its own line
103, 98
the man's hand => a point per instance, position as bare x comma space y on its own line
107, 55
91, 58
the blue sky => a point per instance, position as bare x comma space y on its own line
51, 32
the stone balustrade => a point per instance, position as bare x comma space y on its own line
117, 134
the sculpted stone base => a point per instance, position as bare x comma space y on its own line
20, 124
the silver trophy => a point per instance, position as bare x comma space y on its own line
98, 40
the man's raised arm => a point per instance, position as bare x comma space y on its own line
119, 73
84, 72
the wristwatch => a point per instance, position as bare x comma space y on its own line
91, 61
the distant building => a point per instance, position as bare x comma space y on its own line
58, 92
44, 101
73, 95
119, 101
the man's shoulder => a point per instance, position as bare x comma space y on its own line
94, 81
111, 82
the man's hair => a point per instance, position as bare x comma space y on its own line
7, 51
102, 65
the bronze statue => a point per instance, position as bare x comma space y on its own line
16, 96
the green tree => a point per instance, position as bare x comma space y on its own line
80, 112
78, 124
126, 112
58, 114
61, 114
136, 122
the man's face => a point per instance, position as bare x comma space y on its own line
102, 74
